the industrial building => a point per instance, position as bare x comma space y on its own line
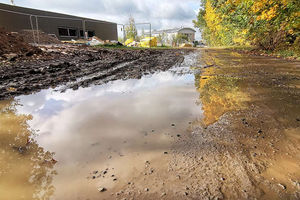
65, 27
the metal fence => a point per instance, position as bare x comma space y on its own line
34, 21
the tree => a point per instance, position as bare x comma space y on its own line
268, 24
179, 39
143, 33
12, 2
130, 29
162, 38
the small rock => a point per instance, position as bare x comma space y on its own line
94, 177
186, 194
173, 125
102, 189
75, 87
178, 135
163, 194
297, 184
165, 152
146, 189
95, 172
282, 186
259, 131
115, 179
298, 120
11, 56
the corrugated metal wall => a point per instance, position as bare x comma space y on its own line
15, 22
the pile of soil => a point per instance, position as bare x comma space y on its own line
15, 44
80, 67
43, 38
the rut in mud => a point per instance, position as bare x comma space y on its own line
81, 67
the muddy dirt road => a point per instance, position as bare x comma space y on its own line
80, 67
222, 125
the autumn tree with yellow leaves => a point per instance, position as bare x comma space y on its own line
268, 24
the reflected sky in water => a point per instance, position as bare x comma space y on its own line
91, 126
119, 108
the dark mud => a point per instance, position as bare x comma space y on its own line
81, 67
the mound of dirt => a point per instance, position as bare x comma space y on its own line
43, 38
15, 44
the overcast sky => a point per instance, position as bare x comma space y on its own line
162, 14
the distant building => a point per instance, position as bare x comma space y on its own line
169, 34
65, 27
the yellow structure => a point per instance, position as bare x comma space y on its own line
128, 41
149, 42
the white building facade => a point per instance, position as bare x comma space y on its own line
169, 34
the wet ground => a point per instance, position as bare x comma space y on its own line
81, 67
220, 126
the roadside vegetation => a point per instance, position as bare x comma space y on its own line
270, 26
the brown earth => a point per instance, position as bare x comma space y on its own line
15, 44
42, 37
68, 64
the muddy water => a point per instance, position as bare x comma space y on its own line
221, 126
54, 143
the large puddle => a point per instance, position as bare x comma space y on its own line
68, 145
53, 143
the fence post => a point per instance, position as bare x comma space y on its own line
150, 35
37, 29
31, 24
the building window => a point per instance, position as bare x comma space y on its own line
91, 33
63, 32
81, 33
72, 32
67, 32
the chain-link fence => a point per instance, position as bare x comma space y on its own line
64, 28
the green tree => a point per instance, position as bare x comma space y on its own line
143, 33
130, 29
179, 39
162, 38
268, 24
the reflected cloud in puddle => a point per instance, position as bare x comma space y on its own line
87, 127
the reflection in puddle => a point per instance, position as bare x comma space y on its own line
26, 169
117, 125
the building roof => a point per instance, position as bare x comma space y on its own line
174, 30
